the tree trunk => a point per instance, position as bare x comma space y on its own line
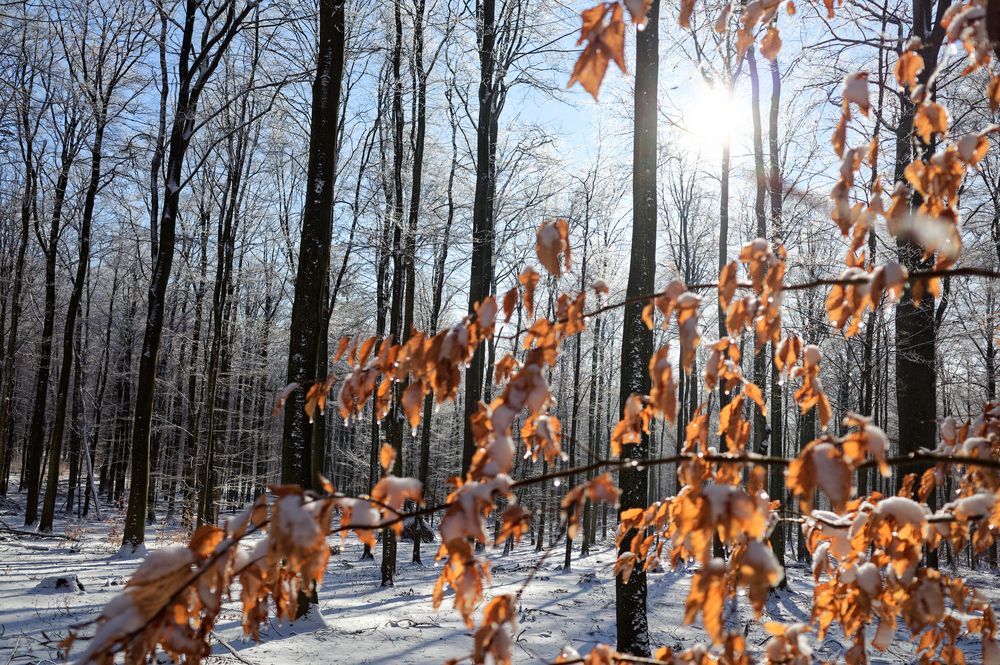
76, 417
191, 83
7, 387
36, 433
309, 322
481, 275
760, 426
777, 475
637, 339
577, 352
400, 269
437, 291
69, 329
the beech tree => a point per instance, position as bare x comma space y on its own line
547, 379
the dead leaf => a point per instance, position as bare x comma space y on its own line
605, 37
386, 457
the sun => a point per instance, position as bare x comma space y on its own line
710, 116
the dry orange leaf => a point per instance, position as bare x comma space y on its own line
771, 44
604, 32
684, 18
386, 457
509, 303
907, 67
413, 399
638, 10
529, 280
993, 93
283, 396
931, 118
753, 391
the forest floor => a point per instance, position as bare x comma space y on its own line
367, 624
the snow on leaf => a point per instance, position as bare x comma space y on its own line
393, 492
759, 571
855, 91
361, 517
624, 565
552, 244
788, 353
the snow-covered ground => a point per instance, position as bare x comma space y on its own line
372, 625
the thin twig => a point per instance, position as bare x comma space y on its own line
231, 649
36, 534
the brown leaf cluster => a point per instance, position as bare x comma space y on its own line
598, 490
682, 304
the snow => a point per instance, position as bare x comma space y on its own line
761, 559
361, 623
878, 445
856, 90
291, 519
60, 584
811, 355
976, 446
821, 558
903, 510
394, 491
972, 507
949, 430
838, 533
163, 562
832, 474
688, 300
869, 578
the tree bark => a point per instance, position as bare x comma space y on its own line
760, 426
36, 433
437, 292
777, 475
481, 275
637, 339
310, 322
72, 311
400, 263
